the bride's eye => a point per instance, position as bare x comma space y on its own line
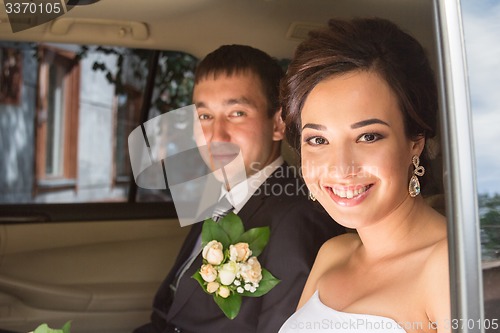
369, 137
316, 141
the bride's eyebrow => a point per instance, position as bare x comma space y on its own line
318, 127
367, 122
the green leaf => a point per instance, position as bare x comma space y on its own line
267, 283
233, 226
44, 328
257, 239
213, 231
67, 327
197, 277
230, 305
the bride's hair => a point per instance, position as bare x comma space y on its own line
371, 44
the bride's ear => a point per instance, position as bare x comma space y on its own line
417, 145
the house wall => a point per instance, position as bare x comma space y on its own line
17, 128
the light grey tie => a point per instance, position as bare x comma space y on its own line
222, 208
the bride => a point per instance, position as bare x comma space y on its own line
360, 102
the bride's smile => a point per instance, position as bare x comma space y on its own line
354, 135
348, 196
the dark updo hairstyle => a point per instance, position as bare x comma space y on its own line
372, 44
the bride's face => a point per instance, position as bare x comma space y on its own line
356, 156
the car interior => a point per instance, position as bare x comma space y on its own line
79, 240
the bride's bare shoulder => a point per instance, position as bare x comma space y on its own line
437, 260
338, 248
436, 284
345, 242
333, 252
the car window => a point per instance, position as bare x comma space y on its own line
65, 115
482, 42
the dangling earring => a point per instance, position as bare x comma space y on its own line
311, 196
414, 186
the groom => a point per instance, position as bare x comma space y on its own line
236, 95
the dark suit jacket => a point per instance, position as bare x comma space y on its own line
298, 229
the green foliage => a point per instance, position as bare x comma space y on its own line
489, 212
174, 80
267, 283
197, 277
230, 306
232, 226
211, 230
174, 77
257, 239
44, 328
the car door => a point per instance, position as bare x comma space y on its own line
78, 240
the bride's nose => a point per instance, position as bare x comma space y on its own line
342, 162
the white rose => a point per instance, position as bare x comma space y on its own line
224, 292
251, 271
208, 273
227, 273
239, 252
212, 287
212, 252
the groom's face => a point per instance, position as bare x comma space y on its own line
233, 109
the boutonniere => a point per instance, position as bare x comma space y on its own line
230, 267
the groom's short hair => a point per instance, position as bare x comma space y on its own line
234, 59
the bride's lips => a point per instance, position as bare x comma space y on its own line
348, 196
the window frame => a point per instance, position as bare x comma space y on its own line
71, 82
466, 288
77, 212
134, 99
128, 209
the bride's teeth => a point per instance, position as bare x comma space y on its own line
349, 194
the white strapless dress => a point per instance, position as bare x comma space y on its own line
315, 316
